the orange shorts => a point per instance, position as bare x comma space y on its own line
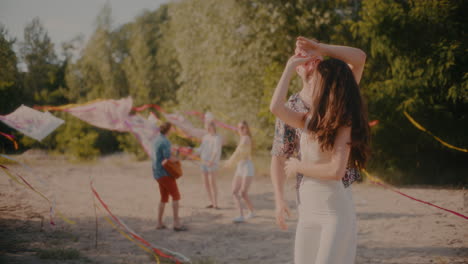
168, 186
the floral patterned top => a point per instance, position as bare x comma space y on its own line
286, 141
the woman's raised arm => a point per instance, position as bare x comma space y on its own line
354, 57
278, 101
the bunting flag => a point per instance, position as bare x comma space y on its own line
32, 123
153, 118
185, 125
381, 183
64, 107
145, 130
186, 152
418, 126
147, 106
107, 114
209, 117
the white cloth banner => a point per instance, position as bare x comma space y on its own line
185, 125
107, 114
32, 123
145, 130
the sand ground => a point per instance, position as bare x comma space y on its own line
392, 228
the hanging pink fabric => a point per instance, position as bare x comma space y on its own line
32, 123
185, 125
145, 130
107, 114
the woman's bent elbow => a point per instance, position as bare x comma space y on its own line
273, 109
362, 56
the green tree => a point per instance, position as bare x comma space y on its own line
416, 62
44, 75
43, 81
149, 65
9, 84
98, 72
8, 73
231, 53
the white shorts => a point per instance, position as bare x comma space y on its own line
245, 168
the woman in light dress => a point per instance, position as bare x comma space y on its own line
244, 172
210, 154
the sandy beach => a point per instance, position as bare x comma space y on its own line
392, 228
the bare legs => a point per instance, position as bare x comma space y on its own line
160, 215
175, 212
240, 190
214, 188
211, 188
236, 186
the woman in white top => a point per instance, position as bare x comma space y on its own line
244, 172
335, 135
210, 154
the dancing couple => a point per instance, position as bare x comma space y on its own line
326, 125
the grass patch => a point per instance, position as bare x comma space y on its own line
57, 237
59, 254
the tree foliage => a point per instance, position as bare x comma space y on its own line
417, 62
226, 56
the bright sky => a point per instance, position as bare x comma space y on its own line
66, 19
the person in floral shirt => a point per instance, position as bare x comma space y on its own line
286, 145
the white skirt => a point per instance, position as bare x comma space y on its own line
326, 231
245, 168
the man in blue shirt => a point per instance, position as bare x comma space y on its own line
167, 184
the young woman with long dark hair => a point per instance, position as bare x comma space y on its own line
335, 136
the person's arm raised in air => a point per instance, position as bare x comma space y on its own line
277, 104
292, 118
354, 57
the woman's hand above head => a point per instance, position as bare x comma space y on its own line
296, 61
354, 57
277, 104
308, 45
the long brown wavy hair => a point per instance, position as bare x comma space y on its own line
337, 102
